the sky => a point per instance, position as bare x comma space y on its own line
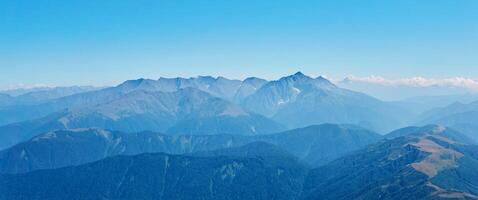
92, 42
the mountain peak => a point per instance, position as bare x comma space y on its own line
254, 80
208, 78
136, 83
321, 78
299, 73
297, 76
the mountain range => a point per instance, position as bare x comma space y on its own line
297, 137
431, 162
39, 95
314, 145
203, 105
186, 111
459, 116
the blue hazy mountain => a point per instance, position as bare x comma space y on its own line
39, 95
6, 99
219, 87
430, 129
159, 111
451, 109
43, 93
459, 116
319, 144
431, 162
314, 145
20, 91
299, 100
227, 89
442, 100
161, 176
19, 113
186, 111
295, 94
39, 103
411, 90
248, 87
28, 104
231, 90
203, 105
309, 100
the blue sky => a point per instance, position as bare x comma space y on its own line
105, 42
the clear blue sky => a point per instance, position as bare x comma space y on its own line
63, 42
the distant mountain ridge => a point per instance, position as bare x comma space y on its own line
59, 91
21, 105
314, 145
230, 90
204, 105
186, 111
462, 117
40, 95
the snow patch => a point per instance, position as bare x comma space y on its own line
280, 102
296, 90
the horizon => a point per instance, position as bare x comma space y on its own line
376, 86
373, 79
103, 43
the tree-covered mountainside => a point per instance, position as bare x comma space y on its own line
314, 145
430, 162
161, 176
